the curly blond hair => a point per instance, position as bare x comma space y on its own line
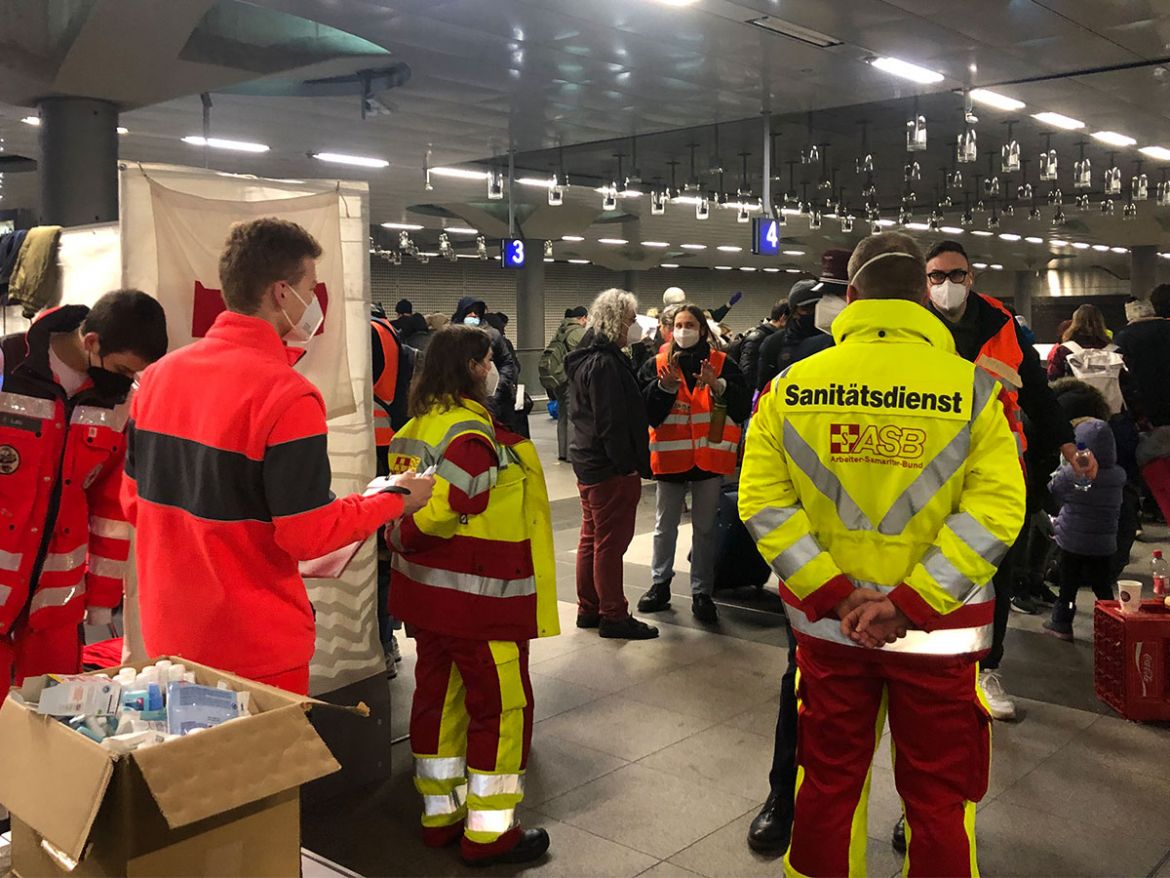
610, 313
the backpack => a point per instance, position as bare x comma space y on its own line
1099, 368
552, 363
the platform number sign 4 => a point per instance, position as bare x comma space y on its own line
765, 236
513, 253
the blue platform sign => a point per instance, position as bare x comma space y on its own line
513, 253
765, 236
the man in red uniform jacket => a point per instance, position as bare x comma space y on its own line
63, 538
228, 476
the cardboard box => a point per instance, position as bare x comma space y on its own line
222, 802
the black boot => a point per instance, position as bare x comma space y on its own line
898, 839
657, 599
532, 846
628, 629
703, 608
771, 831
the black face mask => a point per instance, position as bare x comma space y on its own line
110, 384
803, 325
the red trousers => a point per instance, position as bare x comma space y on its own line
942, 749
1156, 475
608, 513
29, 653
471, 733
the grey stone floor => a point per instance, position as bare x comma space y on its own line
652, 758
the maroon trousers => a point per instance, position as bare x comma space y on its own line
608, 511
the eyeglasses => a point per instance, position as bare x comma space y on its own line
956, 276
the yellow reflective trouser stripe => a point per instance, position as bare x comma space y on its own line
441, 778
859, 831
789, 872
493, 796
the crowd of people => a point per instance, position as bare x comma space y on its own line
904, 466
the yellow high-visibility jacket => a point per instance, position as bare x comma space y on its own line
885, 462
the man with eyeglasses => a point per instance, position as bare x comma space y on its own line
987, 334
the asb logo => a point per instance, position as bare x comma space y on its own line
891, 441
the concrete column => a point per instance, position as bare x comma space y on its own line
630, 282
530, 340
1025, 283
79, 161
1143, 270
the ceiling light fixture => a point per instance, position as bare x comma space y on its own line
578, 261
358, 161
694, 246
995, 266
952, 230
995, 100
655, 244
918, 227
686, 199
795, 31
220, 143
793, 252
1113, 138
730, 248
1160, 153
1101, 248
906, 70
1056, 242
669, 265
122, 130
980, 233
535, 182
573, 238
747, 268
979, 265
463, 174
1009, 236
614, 241
677, 4
35, 121
1080, 245
462, 230
792, 270
406, 227
1119, 249
723, 268
1058, 120
885, 223
771, 270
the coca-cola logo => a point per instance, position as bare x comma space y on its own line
1144, 661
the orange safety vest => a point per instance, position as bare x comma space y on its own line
680, 443
1001, 357
385, 382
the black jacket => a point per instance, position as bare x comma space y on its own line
503, 403
610, 435
1048, 426
413, 331
1146, 348
822, 341
749, 357
737, 397
778, 351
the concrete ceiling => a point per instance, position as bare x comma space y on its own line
535, 75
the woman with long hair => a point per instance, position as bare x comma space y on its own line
1087, 330
696, 398
610, 455
474, 578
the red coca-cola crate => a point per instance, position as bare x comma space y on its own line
1131, 659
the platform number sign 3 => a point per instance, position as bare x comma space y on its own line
765, 236
513, 253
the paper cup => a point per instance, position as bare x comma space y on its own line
1129, 594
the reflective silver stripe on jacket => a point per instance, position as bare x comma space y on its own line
675, 420
27, 406
793, 559
92, 416
47, 598
468, 583
769, 519
99, 566
952, 641
440, 767
10, 560
497, 822
825, 481
109, 529
62, 562
460, 478
430, 455
704, 442
5, 593
672, 445
977, 538
486, 785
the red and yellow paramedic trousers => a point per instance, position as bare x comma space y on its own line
471, 732
941, 735
26, 652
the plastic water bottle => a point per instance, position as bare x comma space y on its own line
1083, 458
1160, 571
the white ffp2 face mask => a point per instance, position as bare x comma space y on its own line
634, 333
686, 338
305, 328
492, 381
826, 312
948, 296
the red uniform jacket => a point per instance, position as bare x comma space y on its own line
63, 539
228, 486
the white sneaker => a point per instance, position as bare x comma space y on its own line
999, 704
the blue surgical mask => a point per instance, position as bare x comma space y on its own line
471, 320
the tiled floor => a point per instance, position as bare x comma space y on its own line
652, 758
